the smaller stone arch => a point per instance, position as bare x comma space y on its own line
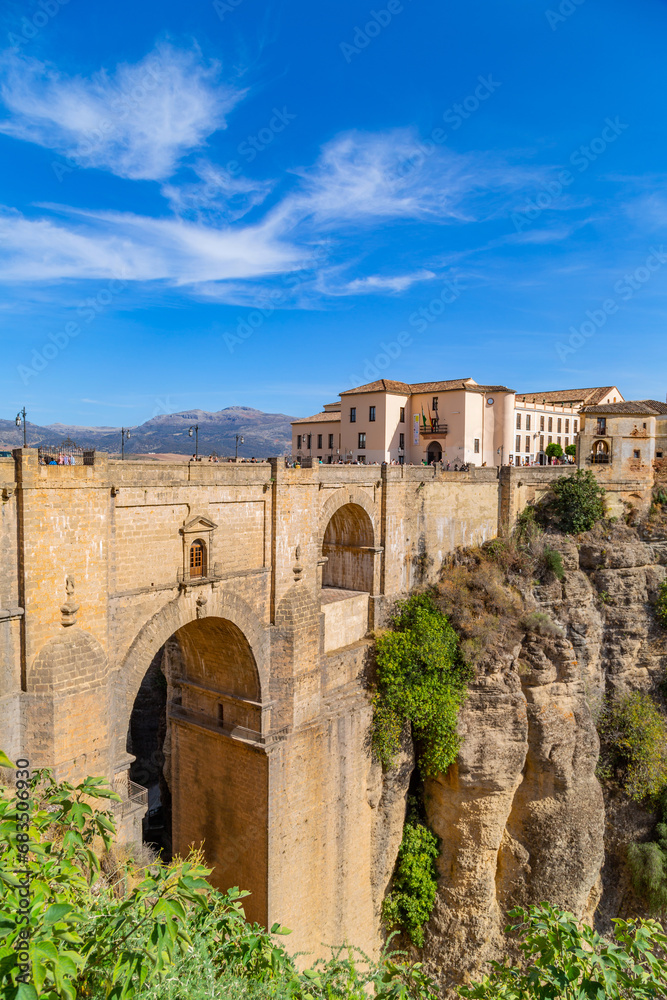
600, 454
341, 497
349, 549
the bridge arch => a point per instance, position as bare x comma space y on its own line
348, 542
194, 683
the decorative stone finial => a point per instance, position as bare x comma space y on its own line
298, 568
70, 608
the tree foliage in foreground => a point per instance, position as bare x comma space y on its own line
567, 960
133, 936
633, 745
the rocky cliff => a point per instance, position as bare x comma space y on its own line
521, 815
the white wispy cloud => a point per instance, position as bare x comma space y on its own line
216, 195
138, 248
376, 283
136, 122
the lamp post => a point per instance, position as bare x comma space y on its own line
123, 434
20, 419
195, 428
239, 440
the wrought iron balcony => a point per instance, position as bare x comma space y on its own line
433, 427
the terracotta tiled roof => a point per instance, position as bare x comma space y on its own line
386, 385
587, 396
641, 407
320, 418
382, 385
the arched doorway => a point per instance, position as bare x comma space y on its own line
196, 733
600, 454
434, 452
348, 548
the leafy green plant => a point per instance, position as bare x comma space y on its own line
571, 450
162, 933
576, 502
553, 450
539, 622
553, 562
410, 902
661, 604
567, 960
421, 680
633, 751
604, 596
648, 865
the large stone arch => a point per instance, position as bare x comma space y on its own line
211, 653
186, 608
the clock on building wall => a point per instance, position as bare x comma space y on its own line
490, 401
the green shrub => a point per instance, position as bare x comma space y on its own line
661, 604
410, 902
567, 960
421, 680
576, 502
538, 621
553, 562
633, 735
571, 450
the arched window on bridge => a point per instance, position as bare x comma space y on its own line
198, 558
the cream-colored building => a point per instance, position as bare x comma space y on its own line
628, 437
456, 421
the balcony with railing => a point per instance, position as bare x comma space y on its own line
433, 427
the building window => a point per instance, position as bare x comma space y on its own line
518, 421
476, 446
567, 442
402, 416
542, 441
576, 426
551, 440
559, 441
371, 413
518, 443
401, 441
331, 442
362, 440
298, 442
551, 426
636, 453
658, 454
567, 426
197, 558
319, 442
361, 459
353, 414
310, 441
541, 423
435, 404
528, 421
560, 425
602, 426
527, 443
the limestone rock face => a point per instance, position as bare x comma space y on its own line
521, 815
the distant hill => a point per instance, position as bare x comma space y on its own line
264, 434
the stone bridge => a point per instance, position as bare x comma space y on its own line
202, 631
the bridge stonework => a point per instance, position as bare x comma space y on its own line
263, 655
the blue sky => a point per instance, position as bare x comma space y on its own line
236, 202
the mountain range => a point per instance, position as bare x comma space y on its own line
264, 434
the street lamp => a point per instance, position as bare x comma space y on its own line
195, 428
239, 440
123, 434
20, 419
